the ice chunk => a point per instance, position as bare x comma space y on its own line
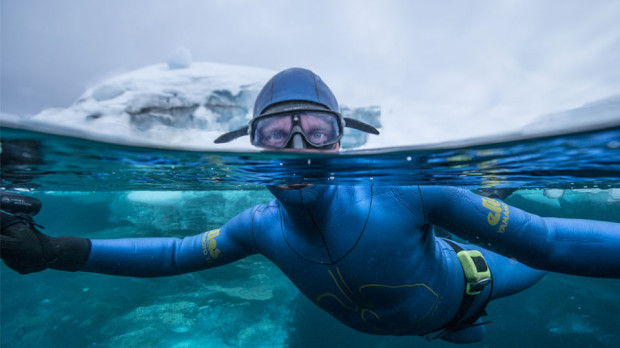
257, 293
181, 329
614, 194
156, 198
534, 199
554, 193
592, 191
108, 91
180, 58
596, 112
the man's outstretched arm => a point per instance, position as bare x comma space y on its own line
572, 246
26, 250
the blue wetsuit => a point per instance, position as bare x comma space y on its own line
368, 256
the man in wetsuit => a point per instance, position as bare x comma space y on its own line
365, 254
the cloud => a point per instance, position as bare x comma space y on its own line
450, 68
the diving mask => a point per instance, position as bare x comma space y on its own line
298, 128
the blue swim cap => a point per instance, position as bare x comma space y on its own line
295, 84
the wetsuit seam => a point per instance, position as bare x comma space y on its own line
173, 261
423, 206
252, 231
270, 96
316, 90
331, 262
329, 254
363, 227
289, 244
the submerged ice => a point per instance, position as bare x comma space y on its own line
593, 203
250, 303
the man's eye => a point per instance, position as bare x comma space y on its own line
277, 136
318, 135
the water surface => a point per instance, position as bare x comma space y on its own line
104, 190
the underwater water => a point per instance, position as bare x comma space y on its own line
98, 190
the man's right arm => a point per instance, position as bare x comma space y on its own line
27, 250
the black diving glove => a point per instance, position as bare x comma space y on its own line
25, 249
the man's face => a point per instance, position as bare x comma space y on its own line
277, 131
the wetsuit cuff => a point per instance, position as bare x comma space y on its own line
69, 253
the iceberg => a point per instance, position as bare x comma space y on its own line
177, 104
597, 112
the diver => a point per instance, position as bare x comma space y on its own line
365, 254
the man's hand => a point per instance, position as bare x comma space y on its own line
22, 247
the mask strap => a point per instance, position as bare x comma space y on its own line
349, 122
364, 127
230, 136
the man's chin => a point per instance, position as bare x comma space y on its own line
293, 186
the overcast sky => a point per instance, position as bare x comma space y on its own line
457, 66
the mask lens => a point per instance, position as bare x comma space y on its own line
273, 131
320, 128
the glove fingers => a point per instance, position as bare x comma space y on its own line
21, 232
20, 248
7, 242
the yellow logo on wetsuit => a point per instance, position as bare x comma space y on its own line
209, 245
496, 209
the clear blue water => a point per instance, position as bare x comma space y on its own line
51, 162
98, 190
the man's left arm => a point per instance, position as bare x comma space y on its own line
573, 246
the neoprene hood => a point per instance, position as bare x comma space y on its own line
294, 89
295, 84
